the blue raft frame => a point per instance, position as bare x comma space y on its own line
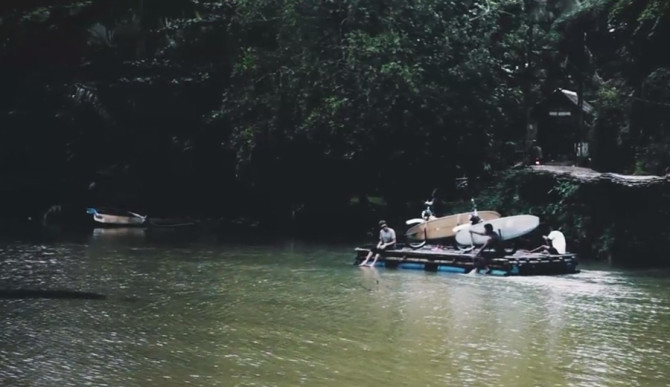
448, 259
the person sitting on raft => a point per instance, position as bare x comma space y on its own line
386, 242
555, 243
493, 247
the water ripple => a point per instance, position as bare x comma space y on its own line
290, 313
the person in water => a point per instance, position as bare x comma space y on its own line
493, 247
555, 243
386, 242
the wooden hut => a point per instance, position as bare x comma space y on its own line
560, 128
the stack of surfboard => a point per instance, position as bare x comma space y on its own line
443, 227
458, 226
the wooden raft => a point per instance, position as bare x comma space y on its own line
449, 259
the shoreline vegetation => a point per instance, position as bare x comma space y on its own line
321, 118
619, 219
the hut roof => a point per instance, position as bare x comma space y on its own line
562, 96
574, 98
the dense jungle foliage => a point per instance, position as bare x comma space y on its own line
281, 110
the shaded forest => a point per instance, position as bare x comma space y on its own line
292, 111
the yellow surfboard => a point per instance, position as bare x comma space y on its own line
444, 227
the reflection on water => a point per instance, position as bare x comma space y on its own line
211, 313
118, 232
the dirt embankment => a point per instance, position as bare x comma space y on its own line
587, 175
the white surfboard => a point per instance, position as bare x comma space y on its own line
508, 227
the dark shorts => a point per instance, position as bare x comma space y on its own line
487, 255
552, 250
378, 250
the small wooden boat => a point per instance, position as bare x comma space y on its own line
112, 217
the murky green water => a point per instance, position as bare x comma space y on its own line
287, 313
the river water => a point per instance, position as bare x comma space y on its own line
212, 312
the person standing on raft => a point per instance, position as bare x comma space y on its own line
494, 242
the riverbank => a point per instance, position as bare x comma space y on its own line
608, 217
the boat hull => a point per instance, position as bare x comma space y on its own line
119, 219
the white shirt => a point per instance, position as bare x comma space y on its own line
557, 241
386, 235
